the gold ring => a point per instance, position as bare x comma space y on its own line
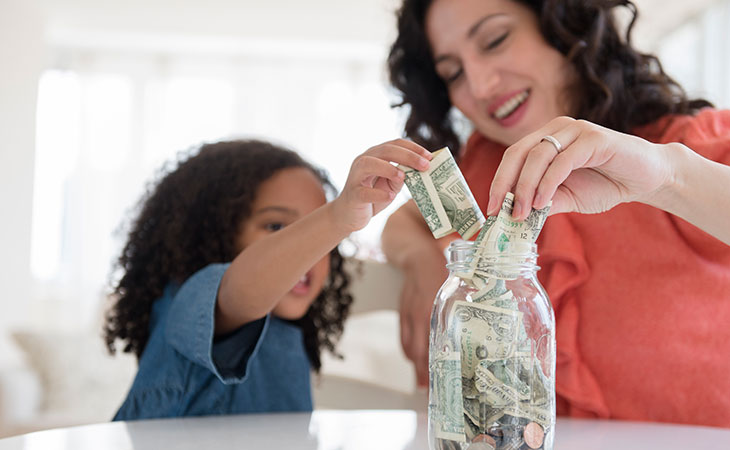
553, 141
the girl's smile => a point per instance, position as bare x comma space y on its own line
302, 287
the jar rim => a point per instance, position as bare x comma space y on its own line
522, 255
503, 246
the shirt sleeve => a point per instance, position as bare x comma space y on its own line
190, 328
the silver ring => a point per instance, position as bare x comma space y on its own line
553, 141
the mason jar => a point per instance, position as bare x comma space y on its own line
492, 352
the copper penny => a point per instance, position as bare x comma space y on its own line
485, 438
534, 435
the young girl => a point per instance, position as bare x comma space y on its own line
232, 282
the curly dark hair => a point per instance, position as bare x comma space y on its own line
617, 86
189, 219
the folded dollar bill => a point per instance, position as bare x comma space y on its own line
444, 198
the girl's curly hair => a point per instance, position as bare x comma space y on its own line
190, 218
617, 86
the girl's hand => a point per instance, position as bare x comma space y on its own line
596, 169
373, 181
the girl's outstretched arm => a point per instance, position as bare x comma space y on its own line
270, 267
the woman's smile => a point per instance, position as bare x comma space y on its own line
510, 108
499, 70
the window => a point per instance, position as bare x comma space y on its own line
107, 122
697, 54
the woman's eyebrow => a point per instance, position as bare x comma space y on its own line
472, 31
474, 28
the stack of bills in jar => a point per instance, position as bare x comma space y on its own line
489, 388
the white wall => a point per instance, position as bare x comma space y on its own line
21, 60
333, 20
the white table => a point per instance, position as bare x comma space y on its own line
345, 430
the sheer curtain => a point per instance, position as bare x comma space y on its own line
107, 121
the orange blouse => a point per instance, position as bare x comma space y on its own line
641, 297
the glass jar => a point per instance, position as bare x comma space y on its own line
492, 352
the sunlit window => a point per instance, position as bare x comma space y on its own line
104, 132
182, 112
57, 151
697, 54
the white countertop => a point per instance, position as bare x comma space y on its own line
345, 430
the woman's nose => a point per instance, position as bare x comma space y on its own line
483, 79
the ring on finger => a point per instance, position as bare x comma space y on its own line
555, 142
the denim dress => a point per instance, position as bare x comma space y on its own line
186, 371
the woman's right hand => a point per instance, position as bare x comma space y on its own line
592, 169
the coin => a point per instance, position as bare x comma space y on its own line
534, 435
480, 446
485, 438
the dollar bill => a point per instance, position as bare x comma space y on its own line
504, 230
423, 193
484, 332
494, 289
508, 401
497, 393
507, 372
480, 413
444, 198
541, 385
448, 397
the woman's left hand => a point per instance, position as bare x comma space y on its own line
592, 169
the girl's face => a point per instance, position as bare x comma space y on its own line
499, 70
286, 197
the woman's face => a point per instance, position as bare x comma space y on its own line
499, 70
286, 197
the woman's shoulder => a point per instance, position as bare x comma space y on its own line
707, 125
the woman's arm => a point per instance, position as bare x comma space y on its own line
698, 191
409, 245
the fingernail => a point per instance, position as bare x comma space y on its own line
492, 206
401, 174
423, 162
516, 210
538, 201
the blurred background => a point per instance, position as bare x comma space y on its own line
95, 95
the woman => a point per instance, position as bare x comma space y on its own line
640, 295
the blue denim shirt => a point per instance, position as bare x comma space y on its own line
186, 371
